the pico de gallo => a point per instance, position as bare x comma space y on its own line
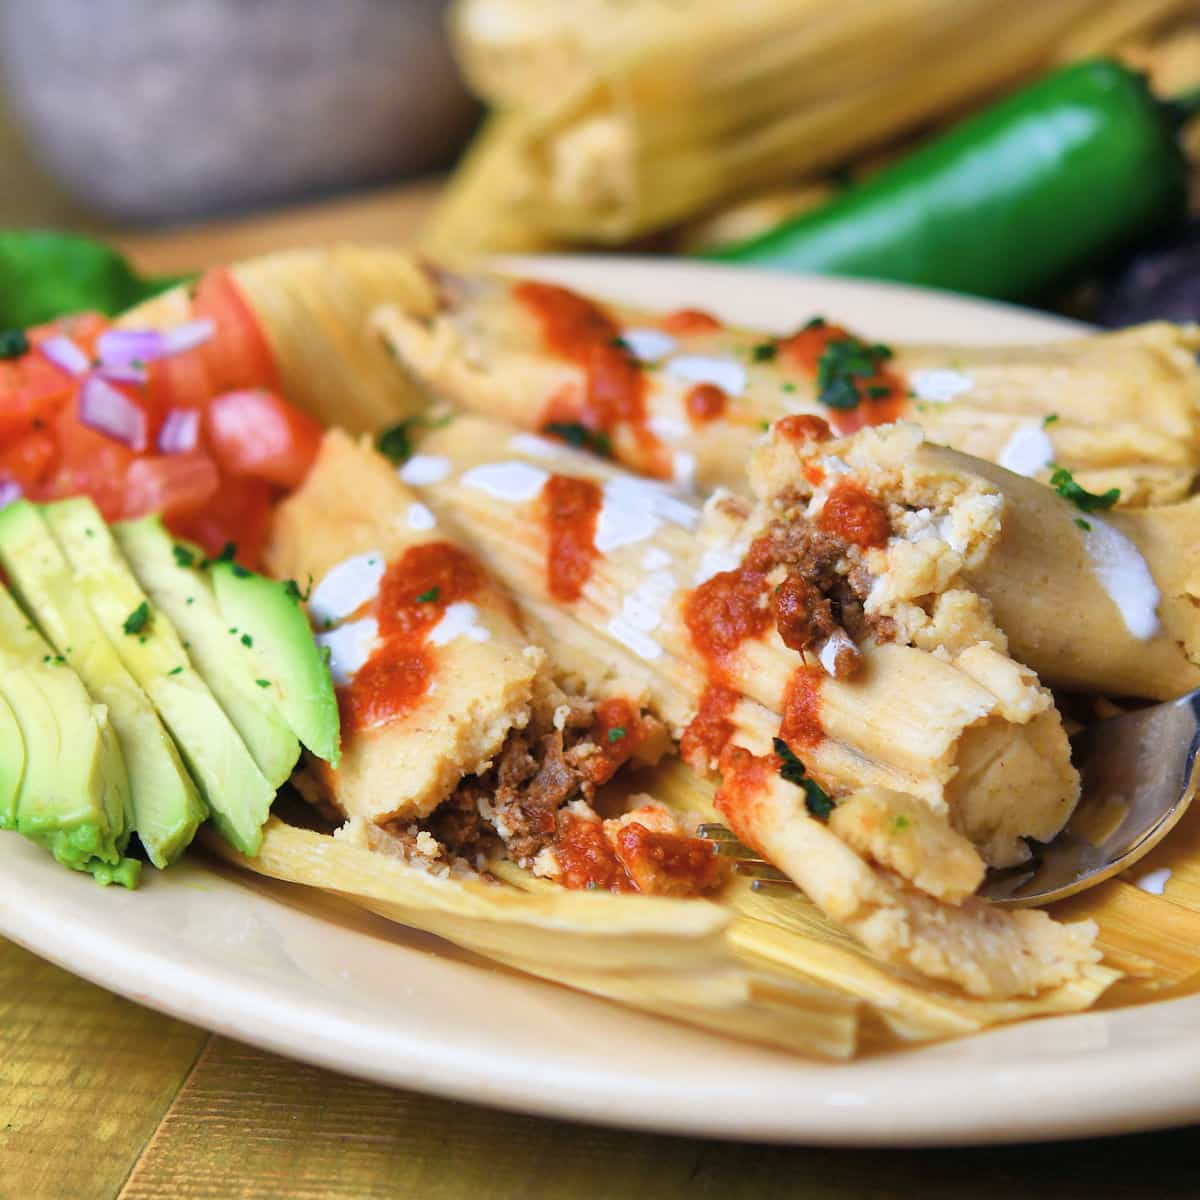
188, 422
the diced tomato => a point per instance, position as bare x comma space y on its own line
240, 513
90, 463
259, 434
171, 484
182, 380
238, 355
29, 460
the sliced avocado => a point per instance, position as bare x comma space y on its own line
236, 791
166, 806
73, 791
12, 765
265, 621
168, 571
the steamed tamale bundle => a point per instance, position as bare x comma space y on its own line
558, 652
627, 118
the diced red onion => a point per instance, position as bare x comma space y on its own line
122, 373
65, 354
10, 491
189, 335
180, 431
120, 347
108, 411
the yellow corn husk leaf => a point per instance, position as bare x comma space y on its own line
643, 115
314, 307
670, 957
789, 931
480, 207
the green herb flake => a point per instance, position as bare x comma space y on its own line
766, 426
13, 343
183, 556
615, 734
789, 387
1086, 526
1063, 482
247, 640
293, 589
263, 682
816, 799
1049, 419
175, 671
815, 323
764, 352
395, 442
900, 824
580, 437
843, 363
875, 392
137, 620
429, 597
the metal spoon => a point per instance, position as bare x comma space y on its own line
1139, 774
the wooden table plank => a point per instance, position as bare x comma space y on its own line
251, 1125
85, 1078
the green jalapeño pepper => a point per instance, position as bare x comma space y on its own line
1009, 202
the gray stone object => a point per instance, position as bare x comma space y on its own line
162, 110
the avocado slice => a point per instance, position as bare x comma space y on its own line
167, 570
166, 806
236, 791
267, 623
12, 764
72, 791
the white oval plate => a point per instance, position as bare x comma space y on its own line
299, 973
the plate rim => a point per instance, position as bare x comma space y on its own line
1157, 1084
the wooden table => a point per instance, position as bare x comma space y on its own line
102, 1098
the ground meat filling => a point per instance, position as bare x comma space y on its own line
820, 605
516, 803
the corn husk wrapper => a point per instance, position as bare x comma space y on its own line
643, 115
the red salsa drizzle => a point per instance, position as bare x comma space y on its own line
710, 729
614, 395
729, 609
570, 508
704, 403
617, 731
662, 864
801, 727
685, 321
882, 396
414, 594
853, 514
803, 427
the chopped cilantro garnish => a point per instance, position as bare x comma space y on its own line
1049, 419
293, 589
766, 426
1063, 482
621, 344
842, 364
764, 352
814, 323
183, 556
13, 343
137, 620
1086, 526
615, 734
240, 571
816, 799
395, 442
175, 671
228, 551
900, 824
429, 597
247, 640
789, 387
263, 682
581, 437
